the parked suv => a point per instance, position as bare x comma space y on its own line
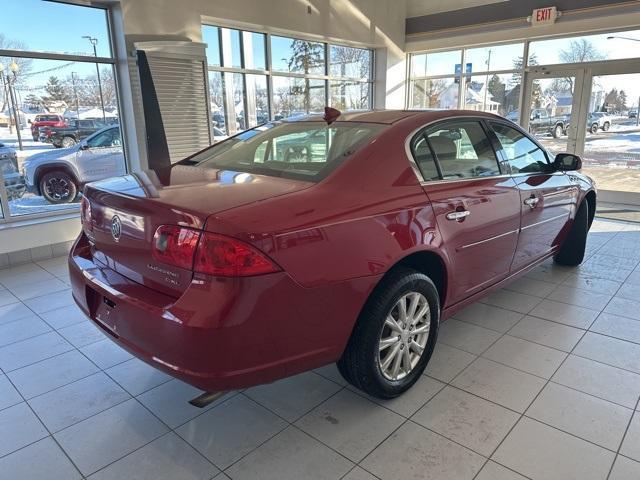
599, 121
46, 120
58, 175
71, 134
13, 181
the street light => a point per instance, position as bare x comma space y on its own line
9, 83
94, 41
611, 37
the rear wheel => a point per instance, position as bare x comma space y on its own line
606, 126
58, 187
557, 131
394, 336
68, 142
572, 251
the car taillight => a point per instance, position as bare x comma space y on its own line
227, 257
85, 215
209, 253
175, 245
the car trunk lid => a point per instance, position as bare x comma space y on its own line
125, 212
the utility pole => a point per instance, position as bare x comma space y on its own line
75, 94
13, 107
638, 113
94, 41
486, 82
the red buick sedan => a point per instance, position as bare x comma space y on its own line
345, 238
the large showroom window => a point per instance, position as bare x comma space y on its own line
255, 77
57, 89
578, 94
493, 79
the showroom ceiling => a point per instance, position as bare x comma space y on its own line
417, 8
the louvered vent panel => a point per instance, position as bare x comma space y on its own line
182, 97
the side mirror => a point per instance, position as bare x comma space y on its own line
29, 121
567, 162
84, 146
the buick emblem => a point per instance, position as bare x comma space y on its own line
116, 227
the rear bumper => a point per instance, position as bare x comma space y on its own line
222, 333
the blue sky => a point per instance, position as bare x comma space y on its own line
54, 27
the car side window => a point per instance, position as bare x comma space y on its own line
108, 138
463, 150
424, 158
523, 155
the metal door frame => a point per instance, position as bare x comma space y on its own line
577, 127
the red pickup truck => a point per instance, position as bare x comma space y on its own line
46, 120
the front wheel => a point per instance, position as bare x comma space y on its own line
394, 336
58, 187
572, 251
594, 128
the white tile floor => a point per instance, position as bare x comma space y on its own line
540, 380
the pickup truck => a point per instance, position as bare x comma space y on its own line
65, 137
541, 122
45, 120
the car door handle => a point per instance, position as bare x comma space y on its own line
532, 202
458, 215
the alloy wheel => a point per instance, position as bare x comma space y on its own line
58, 188
404, 336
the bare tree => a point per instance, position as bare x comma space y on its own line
24, 64
579, 51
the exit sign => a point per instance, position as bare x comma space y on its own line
544, 16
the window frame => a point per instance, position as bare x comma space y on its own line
6, 218
270, 73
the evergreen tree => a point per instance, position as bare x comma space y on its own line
55, 91
305, 58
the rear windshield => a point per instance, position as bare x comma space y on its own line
298, 150
46, 118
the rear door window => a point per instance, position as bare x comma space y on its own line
463, 150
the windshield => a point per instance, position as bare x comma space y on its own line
299, 150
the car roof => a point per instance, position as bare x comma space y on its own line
393, 116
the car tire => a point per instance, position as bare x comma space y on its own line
572, 251
371, 368
558, 131
68, 142
594, 128
606, 126
58, 187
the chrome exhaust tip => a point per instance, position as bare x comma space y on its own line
205, 399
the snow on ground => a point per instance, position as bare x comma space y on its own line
30, 204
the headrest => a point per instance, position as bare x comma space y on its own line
443, 146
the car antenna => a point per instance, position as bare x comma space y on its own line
331, 115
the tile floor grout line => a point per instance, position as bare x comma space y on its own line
46, 429
292, 424
624, 436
